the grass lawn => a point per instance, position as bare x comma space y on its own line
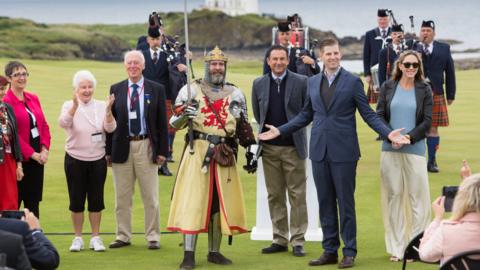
51, 80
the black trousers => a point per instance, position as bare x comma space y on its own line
30, 189
85, 179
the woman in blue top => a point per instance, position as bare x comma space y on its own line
405, 101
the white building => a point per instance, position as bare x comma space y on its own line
233, 7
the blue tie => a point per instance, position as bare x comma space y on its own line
135, 107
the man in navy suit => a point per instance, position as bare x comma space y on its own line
439, 69
375, 40
389, 54
334, 97
296, 61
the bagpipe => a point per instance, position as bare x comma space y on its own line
300, 40
175, 52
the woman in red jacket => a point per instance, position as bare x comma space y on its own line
10, 156
33, 133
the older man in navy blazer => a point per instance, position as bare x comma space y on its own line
334, 97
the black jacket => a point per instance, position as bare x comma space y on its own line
440, 69
12, 246
16, 145
117, 144
423, 95
371, 49
40, 251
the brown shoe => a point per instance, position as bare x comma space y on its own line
346, 262
324, 259
118, 244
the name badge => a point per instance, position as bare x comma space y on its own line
34, 132
96, 137
132, 115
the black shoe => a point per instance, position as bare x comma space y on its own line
431, 167
274, 248
346, 262
153, 245
163, 170
218, 258
118, 244
188, 262
170, 159
379, 138
324, 259
298, 251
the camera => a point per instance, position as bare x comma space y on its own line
13, 214
449, 192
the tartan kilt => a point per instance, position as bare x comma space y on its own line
439, 111
372, 95
169, 109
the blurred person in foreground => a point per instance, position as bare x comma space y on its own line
40, 251
461, 232
86, 121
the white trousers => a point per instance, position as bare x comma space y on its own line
405, 198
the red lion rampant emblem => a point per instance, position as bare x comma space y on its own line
220, 107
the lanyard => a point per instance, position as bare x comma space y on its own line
135, 99
31, 115
95, 122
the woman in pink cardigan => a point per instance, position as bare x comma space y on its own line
33, 134
444, 239
86, 120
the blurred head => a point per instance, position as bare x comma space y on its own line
382, 18
215, 66
277, 59
409, 64
84, 84
284, 33
3, 87
427, 32
397, 33
329, 52
17, 75
134, 64
467, 199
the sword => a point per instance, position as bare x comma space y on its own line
189, 64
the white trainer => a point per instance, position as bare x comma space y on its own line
77, 244
96, 244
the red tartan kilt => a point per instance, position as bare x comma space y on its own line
171, 130
439, 111
371, 95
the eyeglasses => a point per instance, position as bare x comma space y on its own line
17, 75
410, 65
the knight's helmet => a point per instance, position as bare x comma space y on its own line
214, 55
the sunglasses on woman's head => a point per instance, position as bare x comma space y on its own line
409, 65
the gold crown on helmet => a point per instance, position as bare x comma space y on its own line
216, 55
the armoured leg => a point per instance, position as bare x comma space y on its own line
214, 241
189, 246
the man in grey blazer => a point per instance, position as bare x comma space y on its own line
277, 97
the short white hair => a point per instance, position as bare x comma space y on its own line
134, 53
83, 75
